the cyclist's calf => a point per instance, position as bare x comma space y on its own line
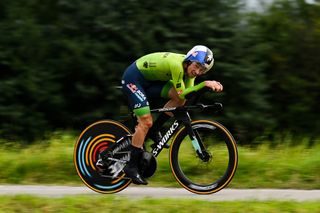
144, 124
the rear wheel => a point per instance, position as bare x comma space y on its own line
215, 168
91, 142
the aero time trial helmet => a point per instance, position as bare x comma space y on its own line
201, 54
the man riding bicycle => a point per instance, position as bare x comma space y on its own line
162, 74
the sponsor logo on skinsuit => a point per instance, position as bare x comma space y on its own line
132, 87
137, 105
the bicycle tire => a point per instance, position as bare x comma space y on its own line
187, 167
90, 143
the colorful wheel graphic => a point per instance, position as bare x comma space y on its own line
91, 142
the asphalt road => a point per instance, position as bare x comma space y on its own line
152, 192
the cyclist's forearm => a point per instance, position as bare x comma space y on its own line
192, 89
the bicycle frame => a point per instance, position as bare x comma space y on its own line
181, 114
182, 118
164, 140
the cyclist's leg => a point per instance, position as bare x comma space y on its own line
132, 86
175, 100
141, 130
156, 90
167, 91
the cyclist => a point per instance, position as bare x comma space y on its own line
167, 75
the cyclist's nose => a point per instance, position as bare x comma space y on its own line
197, 71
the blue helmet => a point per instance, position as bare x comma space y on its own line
201, 54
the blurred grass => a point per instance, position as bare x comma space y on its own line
48, 161
266, 166
110, 203
279, 167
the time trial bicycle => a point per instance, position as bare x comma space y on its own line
203, 153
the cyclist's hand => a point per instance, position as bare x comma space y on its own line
214, 85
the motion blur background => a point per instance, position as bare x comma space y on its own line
59, 61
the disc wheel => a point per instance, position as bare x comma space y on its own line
92, 141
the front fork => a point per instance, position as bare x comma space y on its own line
196, 141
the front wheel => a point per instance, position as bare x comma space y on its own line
211, 171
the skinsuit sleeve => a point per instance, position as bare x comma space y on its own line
183, 88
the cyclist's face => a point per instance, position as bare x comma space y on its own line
195, 69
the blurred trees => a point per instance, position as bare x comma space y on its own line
291, 30
59, 60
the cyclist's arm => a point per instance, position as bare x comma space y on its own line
177, 78
189, 82
183, 88
192, 89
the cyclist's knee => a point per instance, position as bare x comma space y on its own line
175, 99
179, 102
145, 122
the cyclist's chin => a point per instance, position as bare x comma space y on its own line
192, 75
195, 75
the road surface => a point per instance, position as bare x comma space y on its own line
155, 192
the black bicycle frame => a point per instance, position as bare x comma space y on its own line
183, 118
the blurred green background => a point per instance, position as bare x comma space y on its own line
59, 61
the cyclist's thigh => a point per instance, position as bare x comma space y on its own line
132, 86
157, 89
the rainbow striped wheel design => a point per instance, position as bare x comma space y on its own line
92, 141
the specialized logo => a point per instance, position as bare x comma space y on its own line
165, 138
210, 187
